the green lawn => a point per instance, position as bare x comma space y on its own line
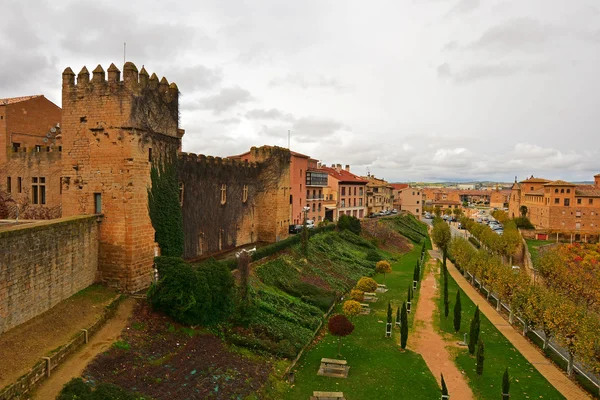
534, 245
378, 369
526, 381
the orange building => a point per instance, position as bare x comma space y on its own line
30, 146
316, 187
379, 195
350, 191
408, 198
559, 206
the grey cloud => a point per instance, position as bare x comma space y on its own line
307, 81
272, 113
474, 73
225, 100
145, 38
464, 6
311, 127
519, 33
196, 77
229, 121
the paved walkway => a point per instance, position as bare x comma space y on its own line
431, 345
551, 372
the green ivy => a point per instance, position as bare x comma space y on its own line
164, 207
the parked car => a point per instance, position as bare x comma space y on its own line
394, 211
373, 215
460, 226
295, 228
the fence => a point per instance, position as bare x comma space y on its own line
40, 371
589, 381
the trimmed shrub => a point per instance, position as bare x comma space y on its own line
357, 295
366, 284
350, 223
351, 308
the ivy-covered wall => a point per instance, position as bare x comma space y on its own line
228, 203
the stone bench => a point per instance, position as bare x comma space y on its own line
327, 396
381, 288
364, 309
334, 368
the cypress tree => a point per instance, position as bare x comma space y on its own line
457, 312
480, 356
404, 326
389, 313
474, 331
444, 387
446, 301
410, 296
398, 315
505, 385
416, 273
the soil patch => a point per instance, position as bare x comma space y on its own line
431, 345
24, 345
387, 238
164, 360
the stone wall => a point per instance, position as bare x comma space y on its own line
43, 263
228, 203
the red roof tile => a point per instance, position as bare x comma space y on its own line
344, 176
13, 100
587, 190
399, 186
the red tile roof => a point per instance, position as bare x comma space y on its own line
559, 183
344, 176
535, 180
587, 190
399, 186
13, 100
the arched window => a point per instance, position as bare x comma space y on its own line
568, 190
555, 190
562, 190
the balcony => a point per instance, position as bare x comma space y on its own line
315, 198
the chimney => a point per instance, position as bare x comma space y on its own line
347, 168
339, 166
597, 180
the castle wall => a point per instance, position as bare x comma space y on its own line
228, 203
112, 131
43, 263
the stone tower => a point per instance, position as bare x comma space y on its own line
112, 130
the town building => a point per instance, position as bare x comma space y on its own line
317, 182
30, 153
379, 195
350, 191
408, 199
558, 207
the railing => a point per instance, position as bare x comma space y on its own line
558, 350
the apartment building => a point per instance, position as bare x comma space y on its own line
407, 198
559, 206
379, 195
350, 190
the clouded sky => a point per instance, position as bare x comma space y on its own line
411, 89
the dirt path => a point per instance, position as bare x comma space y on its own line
24, 345
430, 344
73, 368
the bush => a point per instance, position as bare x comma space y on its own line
357, 295
373, 255
192, 296
77, 389
524, 223
366, 284
350, 223
351, 308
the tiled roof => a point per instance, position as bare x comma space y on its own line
587, 190
13, 100
535, 180
399, 186
344, 176
448, 202
559, 183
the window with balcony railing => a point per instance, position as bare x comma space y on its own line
316, 178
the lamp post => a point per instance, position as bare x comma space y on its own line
305, 232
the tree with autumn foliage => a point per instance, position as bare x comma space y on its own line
366, 284
383, 267
351, 308
340, 326
573, 270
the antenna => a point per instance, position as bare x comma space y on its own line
289, 138
124, 51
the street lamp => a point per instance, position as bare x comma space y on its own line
305, 210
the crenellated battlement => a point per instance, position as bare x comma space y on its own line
133, 80
211, 161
